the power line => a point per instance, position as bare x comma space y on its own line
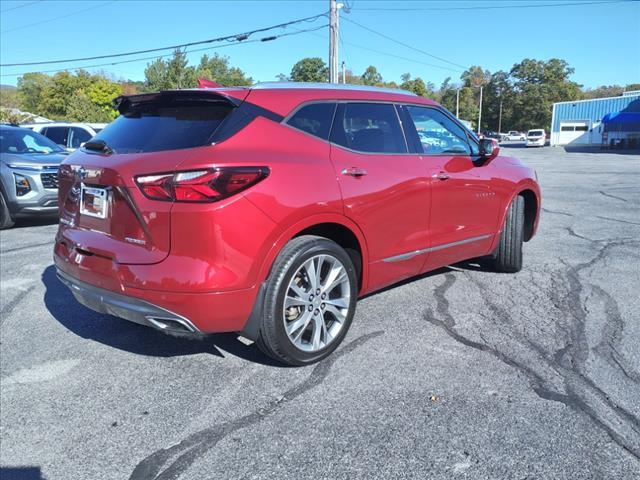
404, 44
56, 18
156, 57
20, 6
234, 37
486, 7
400, 57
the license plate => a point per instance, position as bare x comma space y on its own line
93, 201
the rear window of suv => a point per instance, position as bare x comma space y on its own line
165, 124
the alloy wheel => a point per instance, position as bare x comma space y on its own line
316, 303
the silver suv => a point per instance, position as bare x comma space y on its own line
28, 174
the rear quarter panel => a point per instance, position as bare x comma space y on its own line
301, 190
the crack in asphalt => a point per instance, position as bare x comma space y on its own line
613, 196
197, 444
26, 247
13, 303
611, 336
546, 210
567, 363
616, 220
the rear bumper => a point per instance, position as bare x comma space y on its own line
121, 290
128, 308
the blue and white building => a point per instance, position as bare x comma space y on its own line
597, 122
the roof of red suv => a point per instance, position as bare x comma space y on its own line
283, 97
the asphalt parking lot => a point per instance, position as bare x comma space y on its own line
461, 373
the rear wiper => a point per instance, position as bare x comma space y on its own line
98, 146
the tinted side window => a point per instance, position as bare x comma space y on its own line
438, 134
368, 127
79, 136
58, 134
314, 119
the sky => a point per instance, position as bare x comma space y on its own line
601, 41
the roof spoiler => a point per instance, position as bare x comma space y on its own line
124, 102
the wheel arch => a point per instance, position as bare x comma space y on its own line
531, 211
335, 227
332, 226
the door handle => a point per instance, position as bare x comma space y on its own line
354, 172
441, 176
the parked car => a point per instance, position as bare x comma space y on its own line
68, 135
494, 135
28, 174
514, 135
536, 138
269, 210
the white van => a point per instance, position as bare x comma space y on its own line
536, 138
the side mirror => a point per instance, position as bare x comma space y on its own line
489, 149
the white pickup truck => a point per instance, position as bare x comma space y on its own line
513, 135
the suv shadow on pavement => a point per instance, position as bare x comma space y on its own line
134, 338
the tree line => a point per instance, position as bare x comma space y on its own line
518, 99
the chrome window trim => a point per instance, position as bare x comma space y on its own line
408, 255
396, 104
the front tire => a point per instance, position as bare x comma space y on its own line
6, 221
508, 256
309, 303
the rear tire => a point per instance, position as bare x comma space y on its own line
508, 256
319, 312
6, 221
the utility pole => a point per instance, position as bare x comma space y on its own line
480, 111
500, 116
344, 73
458, 103
333, 41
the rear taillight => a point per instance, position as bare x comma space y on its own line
200, 185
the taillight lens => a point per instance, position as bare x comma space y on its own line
200, 185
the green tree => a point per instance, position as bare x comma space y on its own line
59, 91
417, 86
9, 98
179, 74
170, 74
155, 76
371, 76
101, 93
475, 77
498, 91
82, 109
311, 69
78, 96
30, 88
537, 85
352, 78
217, 68
447, 95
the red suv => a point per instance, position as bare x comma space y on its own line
269, 210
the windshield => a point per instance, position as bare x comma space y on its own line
535, 133
21, 140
